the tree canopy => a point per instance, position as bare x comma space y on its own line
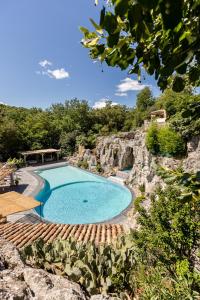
161, 36
67, 125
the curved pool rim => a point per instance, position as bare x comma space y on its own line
42, 182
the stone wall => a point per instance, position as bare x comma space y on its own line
128, 151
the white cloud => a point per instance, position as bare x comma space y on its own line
102, 103
128, 85
57, 73
45, 63
1, 102
121, 94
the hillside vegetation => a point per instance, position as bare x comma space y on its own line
75, 122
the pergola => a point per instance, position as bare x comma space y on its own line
13, 202
41, 152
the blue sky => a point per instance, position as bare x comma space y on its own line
47, 32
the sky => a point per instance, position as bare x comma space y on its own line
42, 60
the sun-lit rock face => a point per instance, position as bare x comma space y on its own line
128, 151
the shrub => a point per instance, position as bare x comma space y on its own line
164, 141
142, 188
99, 169
83, 164
152, 139
170, 142
137, 202
16, 162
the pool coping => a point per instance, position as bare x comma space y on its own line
41, 182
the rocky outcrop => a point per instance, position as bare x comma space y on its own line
128, 151
192, 162
18, 281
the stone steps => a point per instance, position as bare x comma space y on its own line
117, 179
122, 174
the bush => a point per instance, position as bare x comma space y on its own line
137, 202
14, 162
99, 169
83, 164
88, 141
142, 188
152, 139
170, 142
164, 141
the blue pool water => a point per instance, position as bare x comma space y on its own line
73, 196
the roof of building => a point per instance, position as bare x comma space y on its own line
42, 151
21, 234
160, 112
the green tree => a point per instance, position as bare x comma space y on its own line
161, 36
152, 142
144, 103
144, 99
67, 142
9, 138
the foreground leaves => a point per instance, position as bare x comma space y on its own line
161, 36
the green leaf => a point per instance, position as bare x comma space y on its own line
112, 39
102, 16
121, 7
96, 26
185, 35
110, 23
91, 42
178, 84
84, 30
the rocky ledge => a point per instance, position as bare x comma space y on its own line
128, 151
20, 282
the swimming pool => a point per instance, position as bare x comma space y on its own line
74, 196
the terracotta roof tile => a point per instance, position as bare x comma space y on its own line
21, 234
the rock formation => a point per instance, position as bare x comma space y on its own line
128, 151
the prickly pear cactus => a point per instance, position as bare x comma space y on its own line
99, 269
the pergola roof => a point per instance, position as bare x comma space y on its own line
13, 202
42, 151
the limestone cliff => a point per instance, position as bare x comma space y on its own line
128, 151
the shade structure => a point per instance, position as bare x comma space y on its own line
13, 202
